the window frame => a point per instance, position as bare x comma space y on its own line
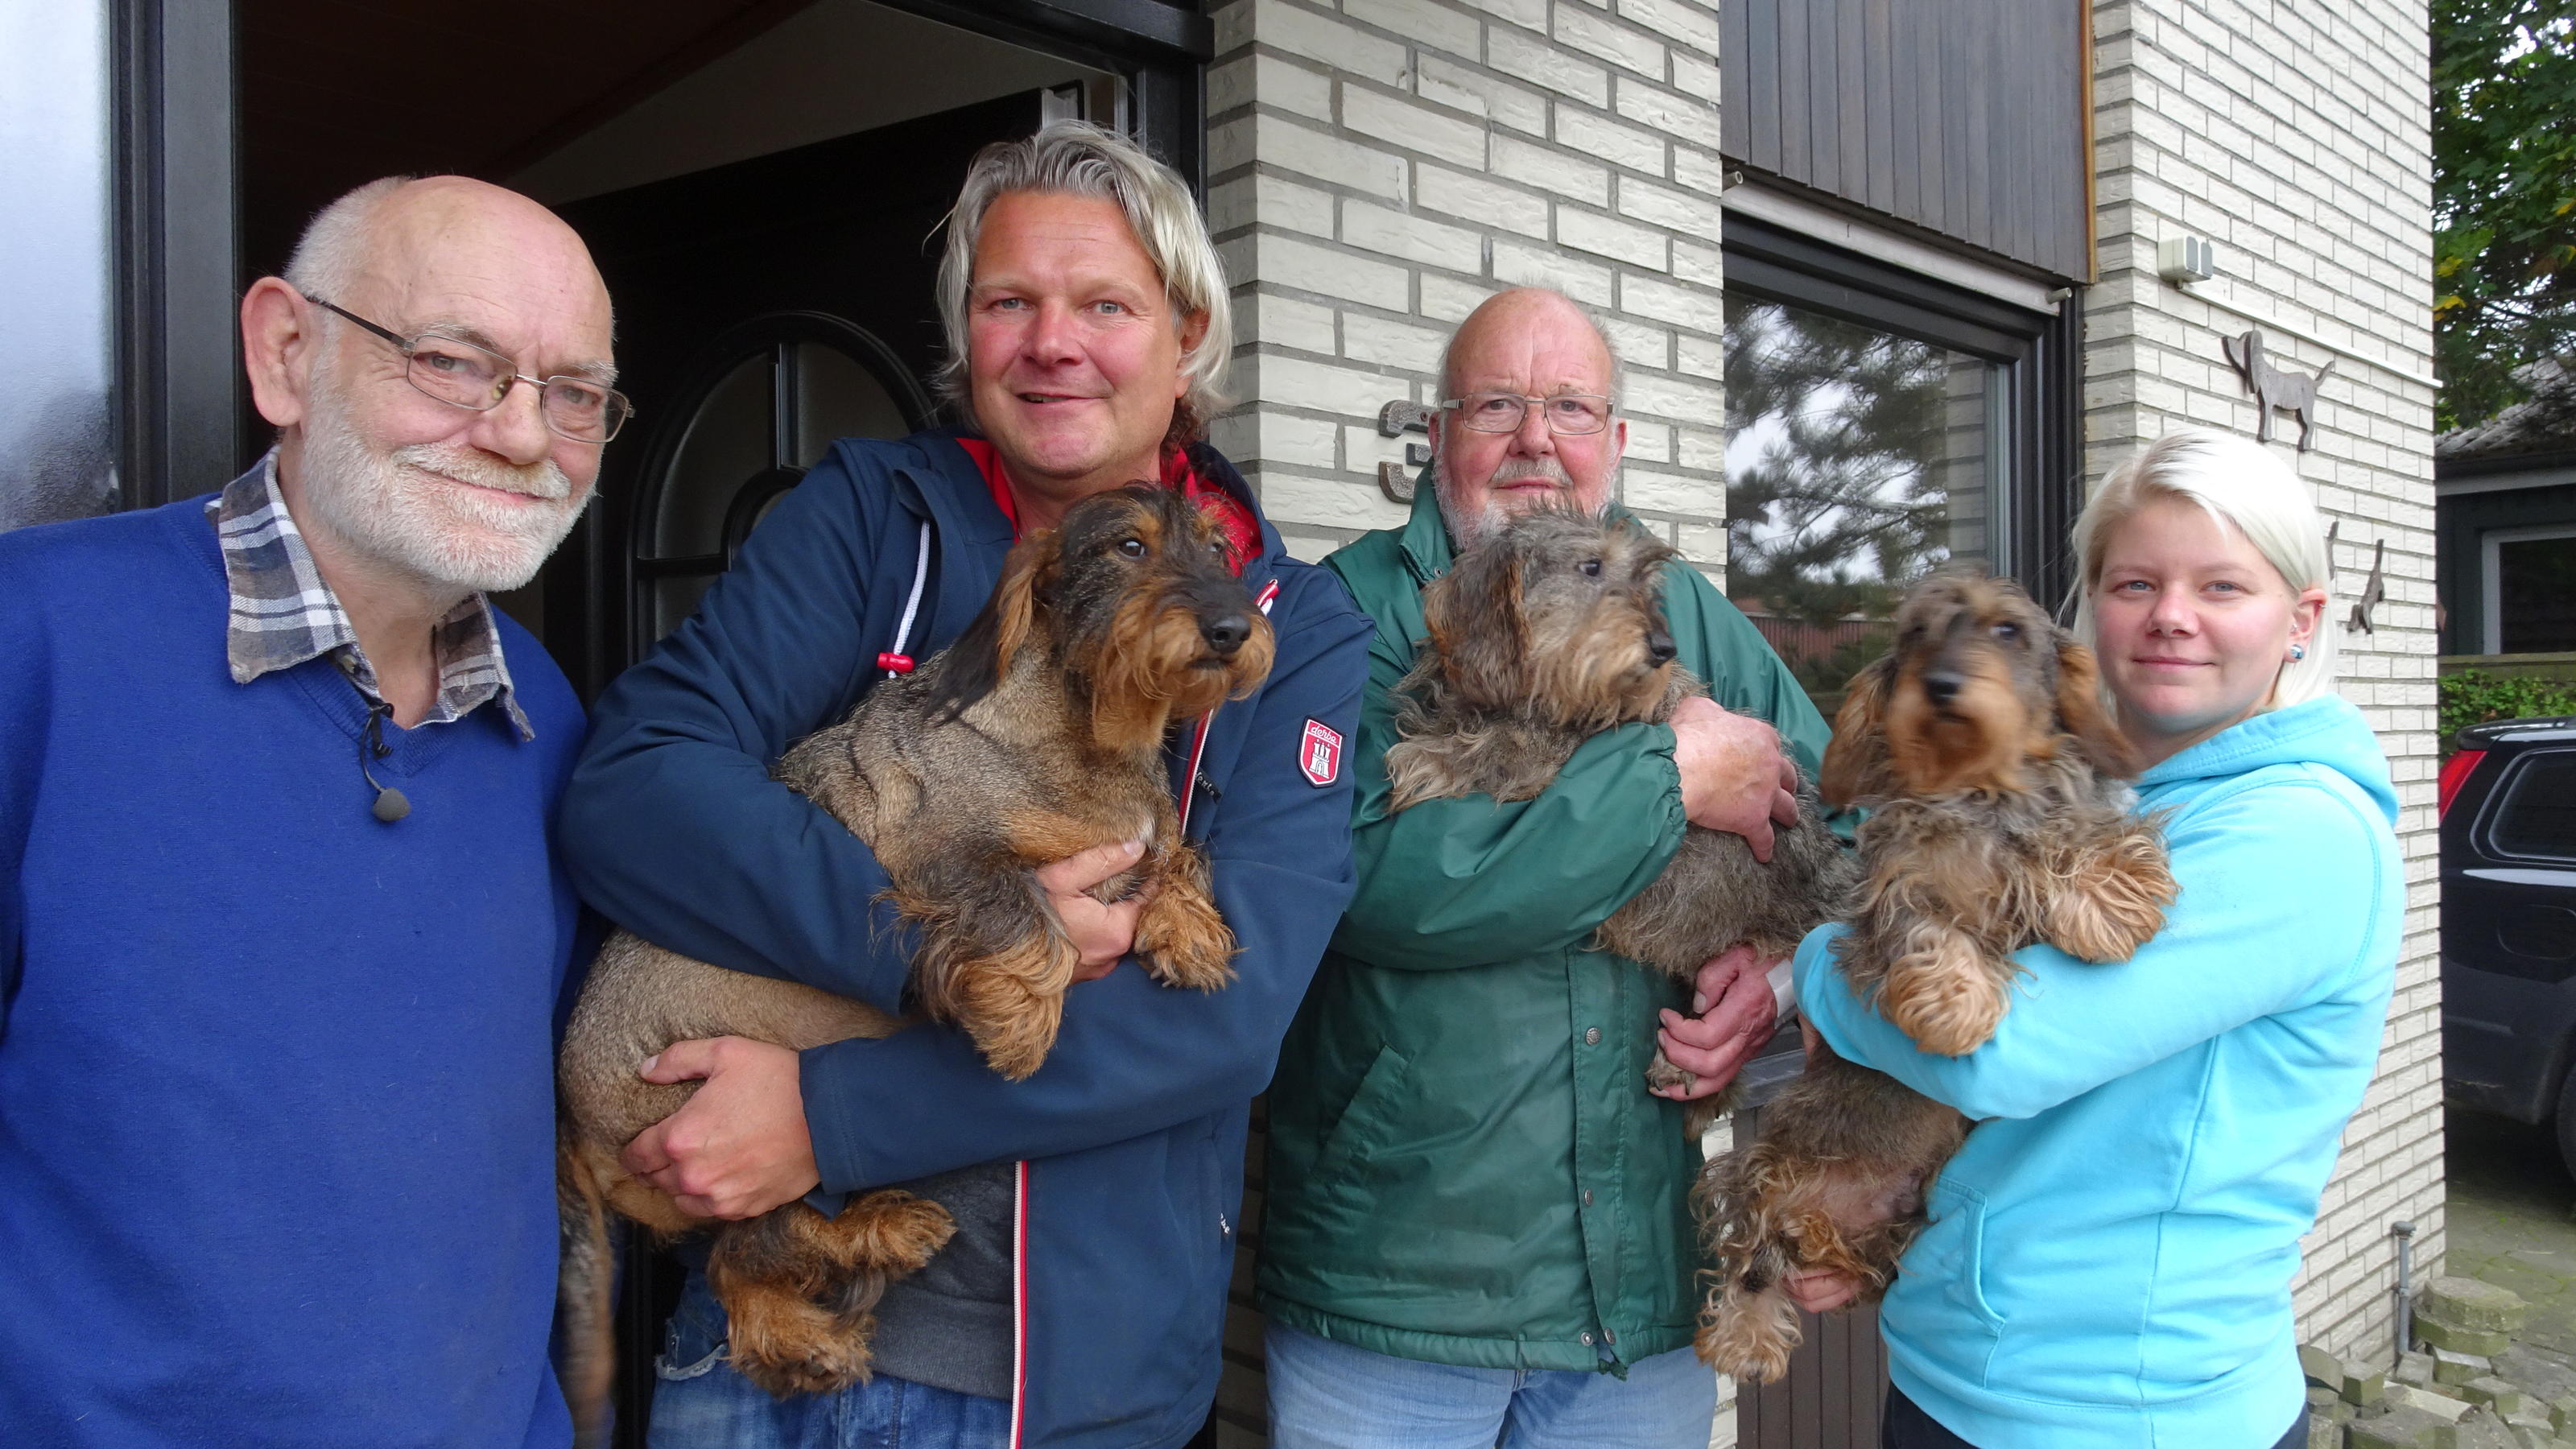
2506, 792
2037, 404
2491, 572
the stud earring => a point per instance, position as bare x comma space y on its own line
2298, 652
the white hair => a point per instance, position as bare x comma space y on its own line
1077, 158
333, 250
2241, 485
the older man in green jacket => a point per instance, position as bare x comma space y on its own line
1477, 1227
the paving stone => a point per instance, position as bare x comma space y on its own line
2544, 1374
2562, 1412
2439, 1406
2457, 1302
2526, 1438
2413, 1368
2495, 1395
2459, 1368
2396, 1429
2484, 1342
2532, 1417
2362, 1390
2477, 1430
2321, 1367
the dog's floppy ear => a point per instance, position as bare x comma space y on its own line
1474, 616
1856, 760
973, 666
2080, 712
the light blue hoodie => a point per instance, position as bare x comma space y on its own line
2110, 1254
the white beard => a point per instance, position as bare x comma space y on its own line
381, 506
1469, 527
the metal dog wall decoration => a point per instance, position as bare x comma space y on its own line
2291, 392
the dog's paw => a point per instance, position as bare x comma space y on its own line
1749, 1335
2111, 902
890, 1230
788, 1344
1661, 1073
1947, 1000
1182, 941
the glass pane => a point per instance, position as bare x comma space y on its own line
2539, 814
727, 445
838, 398
56, 453
1856, 461
675, 599
2536, 595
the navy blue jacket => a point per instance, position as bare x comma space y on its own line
1130, 1138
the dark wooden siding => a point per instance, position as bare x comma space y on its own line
1965, 117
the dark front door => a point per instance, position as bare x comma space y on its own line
763, 309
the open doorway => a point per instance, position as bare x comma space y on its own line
761, 182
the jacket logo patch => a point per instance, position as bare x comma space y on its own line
1319, 754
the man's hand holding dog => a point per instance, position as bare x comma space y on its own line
1104, 934
739, 1147
1732, 1017
1734, 777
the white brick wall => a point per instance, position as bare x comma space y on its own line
2295, 137
1378, 167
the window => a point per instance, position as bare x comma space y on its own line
2538, 816
2531, 589
1879, 425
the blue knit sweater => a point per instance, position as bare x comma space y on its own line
276, 1112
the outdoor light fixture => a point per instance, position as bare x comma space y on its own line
2183, 259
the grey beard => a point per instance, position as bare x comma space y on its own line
374, 503
1472, 527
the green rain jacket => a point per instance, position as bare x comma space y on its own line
1464, 1164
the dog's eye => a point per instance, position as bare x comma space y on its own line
1132, 547
2008, 632
1591, 568
1217, 546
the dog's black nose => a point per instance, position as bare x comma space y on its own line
1942, 685
1226, 633
1659, 647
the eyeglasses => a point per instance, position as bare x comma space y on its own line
1502, 412
478, 378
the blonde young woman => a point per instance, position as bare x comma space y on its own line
2110, 1256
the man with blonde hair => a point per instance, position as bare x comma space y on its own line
281, 936
1082, 1299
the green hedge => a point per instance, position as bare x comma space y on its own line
2474, 696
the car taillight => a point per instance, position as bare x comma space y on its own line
2455, 773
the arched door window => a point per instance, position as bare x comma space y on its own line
771, 396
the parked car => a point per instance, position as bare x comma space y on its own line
2508, 813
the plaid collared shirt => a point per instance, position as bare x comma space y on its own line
284, 614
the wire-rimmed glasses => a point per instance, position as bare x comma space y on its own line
1568, 413
467, 376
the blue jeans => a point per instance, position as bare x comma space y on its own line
1327, 1395
700, 1402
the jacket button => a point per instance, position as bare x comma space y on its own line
1587, 1197
1610, 1335
1587, 1339
1592, 1036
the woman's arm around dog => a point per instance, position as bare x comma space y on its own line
2291, 891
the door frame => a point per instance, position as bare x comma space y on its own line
178, 197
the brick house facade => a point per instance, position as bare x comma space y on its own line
1976, 194
1376, 167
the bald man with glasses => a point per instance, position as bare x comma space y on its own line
1477, 1228
282, 936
